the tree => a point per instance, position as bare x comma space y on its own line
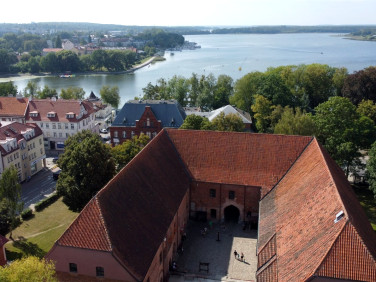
196, 122
86, 166
7, 88
6, 60
10, 191
46, 92
223, 90
29, 269
31, 89
58, 43
295, 123
110, 95
360, 85
262, 109
371, 169
341, 130
229, 122
75, 93
126, 151
367, 108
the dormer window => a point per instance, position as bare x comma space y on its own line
51, 114
70, 115
34, 114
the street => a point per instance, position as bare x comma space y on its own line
39, 187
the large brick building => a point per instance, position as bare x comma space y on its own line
145, 116
311, 226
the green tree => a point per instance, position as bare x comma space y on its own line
222, 92
6, 60
110, 95
86, 166
31, 89
295, 123
262, 109
126, 151
68, 61
367, 108
371, 169
196, 122
58, 43
75, 93
342, 131
46, 92
49, 63
7, 88
229, 122
10, 191
29, 269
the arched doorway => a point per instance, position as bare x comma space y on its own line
232, 214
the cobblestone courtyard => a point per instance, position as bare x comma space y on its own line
219, 254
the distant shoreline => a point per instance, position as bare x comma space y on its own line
26, 75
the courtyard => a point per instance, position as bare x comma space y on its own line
206, 258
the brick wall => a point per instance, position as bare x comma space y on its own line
207, 196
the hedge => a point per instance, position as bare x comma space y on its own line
46, 202
26, 214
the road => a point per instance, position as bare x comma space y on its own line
39, 187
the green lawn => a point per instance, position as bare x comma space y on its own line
37, 235
368, 202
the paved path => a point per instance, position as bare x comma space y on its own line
219, 254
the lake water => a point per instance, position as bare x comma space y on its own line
233, 55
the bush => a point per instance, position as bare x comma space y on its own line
26, 214
46, 202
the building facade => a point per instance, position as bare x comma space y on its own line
21, 146
147, 117
58, 119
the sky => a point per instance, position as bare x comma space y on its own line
193, 12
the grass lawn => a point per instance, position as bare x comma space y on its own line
368, 202
37, 235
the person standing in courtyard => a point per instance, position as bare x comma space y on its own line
235, 254
242, 257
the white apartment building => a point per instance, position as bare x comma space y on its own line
58, 119
21, 146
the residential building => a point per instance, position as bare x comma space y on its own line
13, 108
3, 257
310, 225
21, 146
59, 119
104, 114
145, 116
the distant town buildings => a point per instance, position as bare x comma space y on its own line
145, 116
21, 146
311, 226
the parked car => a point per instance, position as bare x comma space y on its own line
103, 130
55, 173
55, 159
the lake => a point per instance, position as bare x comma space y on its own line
231, 54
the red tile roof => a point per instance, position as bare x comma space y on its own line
12, 106
238, 158
60, 107
115, 221
300, 213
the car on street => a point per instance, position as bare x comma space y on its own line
103, 130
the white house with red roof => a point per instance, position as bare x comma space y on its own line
59, 119
21, 146
13, 108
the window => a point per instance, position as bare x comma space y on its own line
213, 213
124, 134
59, 125
72, 267
231, 195
55, 135
67, 135
66, 125
54, 126
72, 126
148, 134
115, 134
41, 124
212, 193
60, 134
148, 122
100, 271
40, 141
47, 125
132, 133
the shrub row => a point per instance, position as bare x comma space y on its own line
26, 214
46, 202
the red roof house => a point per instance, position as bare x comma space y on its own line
13, 108
311, 226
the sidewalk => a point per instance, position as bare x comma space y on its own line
219, 254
